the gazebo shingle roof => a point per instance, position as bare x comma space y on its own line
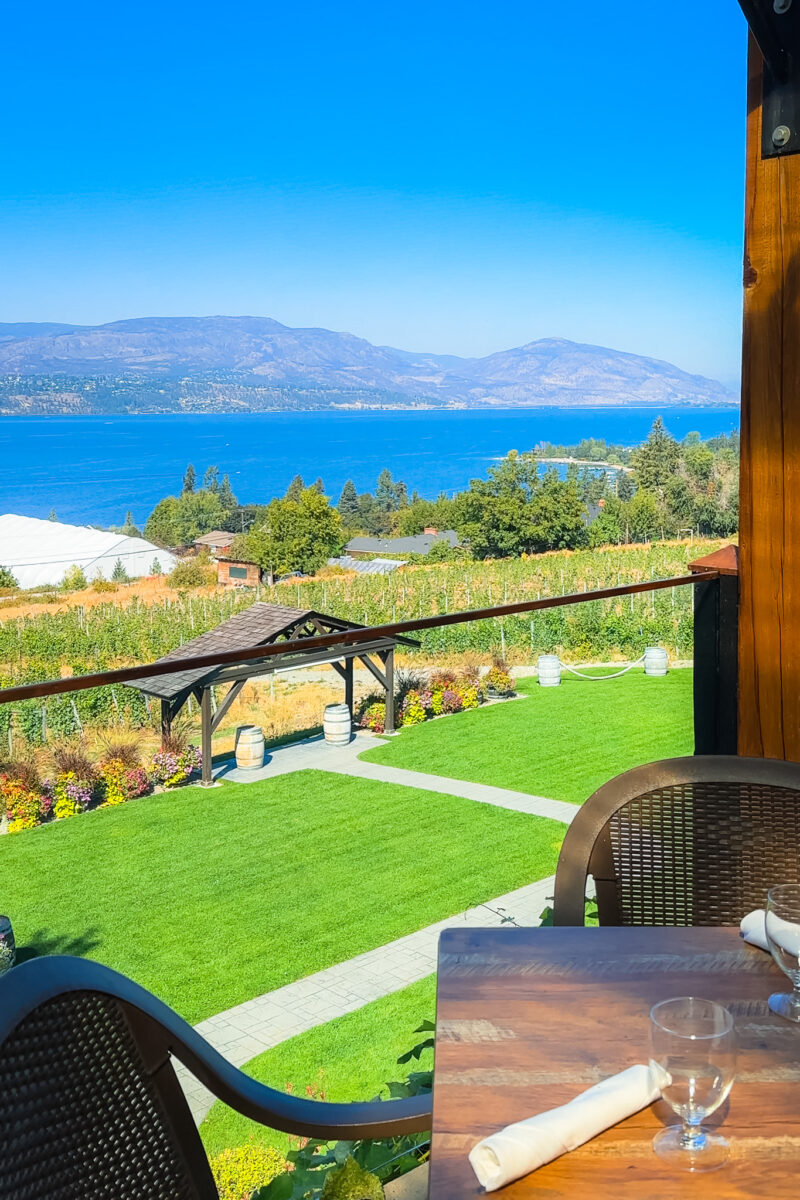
258, 625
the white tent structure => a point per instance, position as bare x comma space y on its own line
39, 552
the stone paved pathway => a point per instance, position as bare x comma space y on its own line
242, 1032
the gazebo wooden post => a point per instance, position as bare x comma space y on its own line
206, 718
388, 666
769, 614
348, 684
166, 721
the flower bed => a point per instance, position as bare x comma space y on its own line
419, 699
79, 785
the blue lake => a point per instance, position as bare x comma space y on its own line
92, 470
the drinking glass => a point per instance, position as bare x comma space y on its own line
783, 935
693, 1051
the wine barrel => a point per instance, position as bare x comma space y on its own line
549, 667
655, 661
8, 946
336, 724
249, 747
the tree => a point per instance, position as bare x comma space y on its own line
656, 460
227, 498
211, 479
119, 574
189, 480
319, 486
295, 488
7, 579
294, 535
348, 505
178, 520
625, 488
155, 567
52, 516
129, 529
74, 579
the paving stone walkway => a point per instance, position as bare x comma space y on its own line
242, 1032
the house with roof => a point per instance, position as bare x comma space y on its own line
420, 543
218, 542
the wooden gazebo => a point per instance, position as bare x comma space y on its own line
264, 625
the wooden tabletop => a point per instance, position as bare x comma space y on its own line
528, 1018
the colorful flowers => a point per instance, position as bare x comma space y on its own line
67, 795
173, 767
22, 805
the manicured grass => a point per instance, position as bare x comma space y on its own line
559, 742
351, 1058
212, 898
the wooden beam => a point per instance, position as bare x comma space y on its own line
348, 684
166, 720
222, 711
388, 662
375, 671
769, 614
205, 738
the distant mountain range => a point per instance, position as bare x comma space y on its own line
253, 363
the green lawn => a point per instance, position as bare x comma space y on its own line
559, 742
212, 898
351, 1058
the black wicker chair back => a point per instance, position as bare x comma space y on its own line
686, 841
91, 1107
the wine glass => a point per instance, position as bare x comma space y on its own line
693, 1052
783, 935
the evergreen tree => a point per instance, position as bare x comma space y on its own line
295, 488
227, 498
155, 567
656, 459
52, 516
119, 574
319, 486
625, 488
189, 480
348, 505
7, 579
385, 492
211, 479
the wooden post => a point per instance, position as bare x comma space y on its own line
207, 777
348, 684
166, 721
388, 664
769, 562
716, 605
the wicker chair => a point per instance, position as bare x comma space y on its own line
91, 1107
686, 841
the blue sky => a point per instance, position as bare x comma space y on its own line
454, 177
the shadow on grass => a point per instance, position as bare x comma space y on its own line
44, 942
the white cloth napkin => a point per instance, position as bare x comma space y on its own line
753, 929
526, 1145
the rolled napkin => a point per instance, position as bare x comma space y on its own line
754, 930
526, 1145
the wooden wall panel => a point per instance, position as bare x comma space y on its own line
769, 620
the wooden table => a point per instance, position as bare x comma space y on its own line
528, 1018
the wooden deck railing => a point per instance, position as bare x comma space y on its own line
350, 637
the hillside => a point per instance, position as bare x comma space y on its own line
255, 363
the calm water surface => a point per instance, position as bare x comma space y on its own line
93, 469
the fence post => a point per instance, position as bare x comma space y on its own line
716, 641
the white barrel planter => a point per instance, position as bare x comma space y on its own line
656, 662
249, 747
337, 724
549, 667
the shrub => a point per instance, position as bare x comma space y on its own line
101, 584
500, 681
7, 578
172, 768
74, 579
121, 782
239, 1171
469, 693
25, 771
119, 574
192, 573
451, 701
441, 679
374, 717
70, 795
75, 758
22, 806
407, 680
125, 752
412, 711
